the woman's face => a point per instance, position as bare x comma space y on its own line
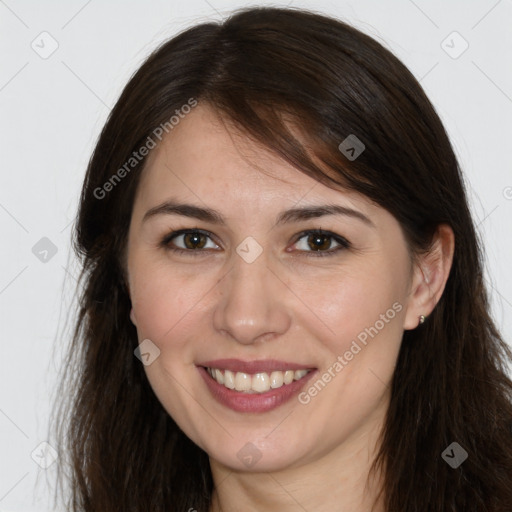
255, 284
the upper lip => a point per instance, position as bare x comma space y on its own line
263, 365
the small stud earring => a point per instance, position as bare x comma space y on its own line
422, 319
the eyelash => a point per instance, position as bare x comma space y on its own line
344, 244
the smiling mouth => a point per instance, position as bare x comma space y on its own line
261, 382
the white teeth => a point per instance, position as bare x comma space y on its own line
242, 381
299, 374
276, 380
229, 379
257, 383
288, 376
260, 382
218, 376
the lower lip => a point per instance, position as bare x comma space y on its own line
253, 402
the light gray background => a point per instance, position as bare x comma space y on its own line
53, 108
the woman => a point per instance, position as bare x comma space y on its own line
283, 303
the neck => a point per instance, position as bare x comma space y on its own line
335, 480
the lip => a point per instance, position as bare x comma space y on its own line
257, 402
252, 367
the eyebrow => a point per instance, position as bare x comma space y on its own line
288, 216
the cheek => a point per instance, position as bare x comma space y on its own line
351, 304
163, 300
168, 309
359, 324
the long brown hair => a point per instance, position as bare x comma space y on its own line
262, 68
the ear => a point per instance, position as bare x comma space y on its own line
430, 274
132, 314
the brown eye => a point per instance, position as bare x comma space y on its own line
194, 240
312, 242
319, 243
190, 241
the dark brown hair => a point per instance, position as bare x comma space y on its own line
264, 68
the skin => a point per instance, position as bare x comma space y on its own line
288, 304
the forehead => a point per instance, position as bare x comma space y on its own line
204, 159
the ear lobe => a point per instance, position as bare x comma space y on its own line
430, 276
132, 317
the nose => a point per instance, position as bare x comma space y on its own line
253, 302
